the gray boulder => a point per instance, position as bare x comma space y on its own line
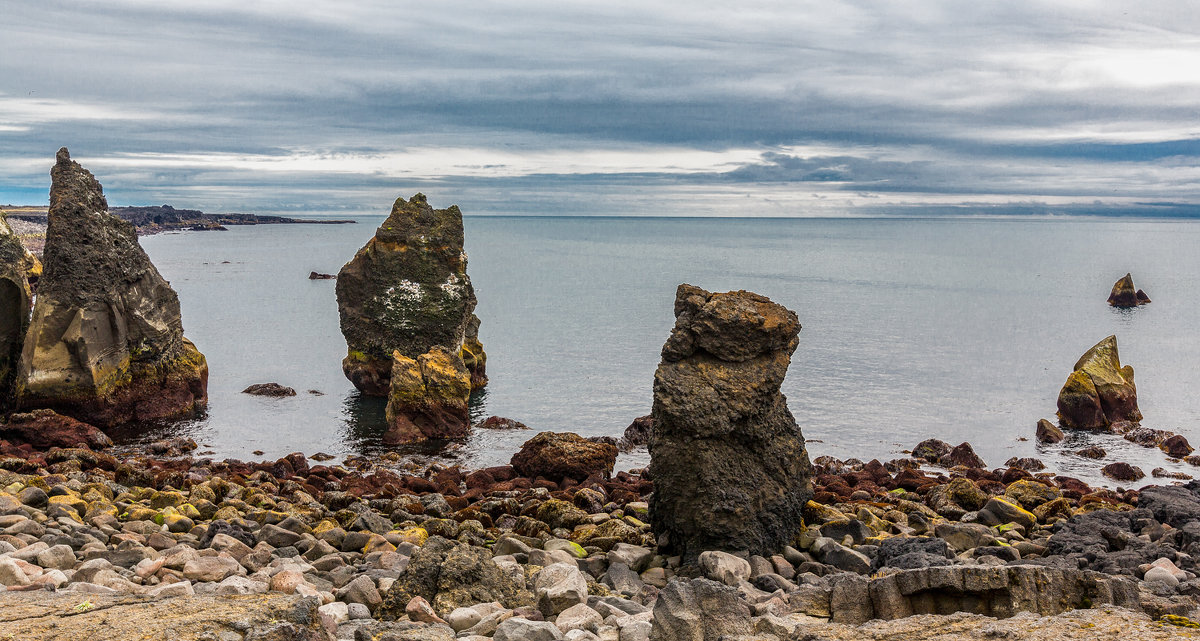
699, 610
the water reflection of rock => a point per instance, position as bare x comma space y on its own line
364, 425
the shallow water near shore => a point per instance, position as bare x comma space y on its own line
958, 329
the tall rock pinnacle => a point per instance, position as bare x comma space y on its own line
106, 343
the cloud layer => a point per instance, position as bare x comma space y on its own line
768, 108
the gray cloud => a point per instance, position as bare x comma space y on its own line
305, 105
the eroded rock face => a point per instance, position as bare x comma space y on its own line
1124, 294
728, 461
1100, 392
106, 343
428, 397
15, 303
407, 290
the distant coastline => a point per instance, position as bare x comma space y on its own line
29, 222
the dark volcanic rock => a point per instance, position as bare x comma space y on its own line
1048, 432
501, 423
269, 389
1100, 391
1174, 505
638, 433
44, 429
728, 461
407, 290
320, 276
1122, 472
106, 344
1176, 446
449, 575
701, 610
1108, 541
15, 302
1125, 295
1093, 451
931, 450
963, 454
910, 553
556, 456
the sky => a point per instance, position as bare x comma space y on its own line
787, 108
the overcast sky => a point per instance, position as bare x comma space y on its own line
747, 108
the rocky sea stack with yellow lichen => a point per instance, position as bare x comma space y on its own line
105, 344
15, 301
403, 296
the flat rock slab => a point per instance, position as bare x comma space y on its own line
46, 616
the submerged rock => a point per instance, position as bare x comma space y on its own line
1125, 295
106, 343
1100, 391
269, 389
728, 461
15, 302
407, 290
428, 398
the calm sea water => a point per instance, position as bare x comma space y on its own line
958, 329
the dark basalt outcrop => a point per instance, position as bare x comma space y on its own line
556, 456
1100, 391
407, 290
106, 343
1124, 294
15, 302
728, 461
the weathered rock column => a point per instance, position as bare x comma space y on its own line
728, 461
106, 344
15, 304
407, 310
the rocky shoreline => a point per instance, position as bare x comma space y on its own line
375, 549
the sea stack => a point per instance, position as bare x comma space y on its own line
402, 295
1124, 294
1099, 394
728, 461
105, 345
15, 302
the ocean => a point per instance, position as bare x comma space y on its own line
961, 329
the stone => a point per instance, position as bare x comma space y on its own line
998, 511
449, 575
1092, 452
211, 569
407, 291
962, 454
699, 610
578, 617
965, 536
1029, 494
358, 611
361, 590
724, 567
241, 585
16, 301
11, 573
517, 629
1124, 294
729, 464
1176, 446
1173, 505
559, 455
418, 609
178, 588
105, 345
830, 552
1048, 432
269, 389
558, 587
1161, 575
287, 581
44, 429
637, 434
428, 397
931, 450
1122, 472
58, 557
910, 553
1026, 463
1100, 391
635, 556
337, 612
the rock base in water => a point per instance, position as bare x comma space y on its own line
1100, 392
728, 461
428, 398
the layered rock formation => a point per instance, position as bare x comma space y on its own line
428, 397
15, 303
1100, 391
106, 343
1124, 294
407, 290
728, 461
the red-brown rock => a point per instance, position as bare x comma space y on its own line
555, 455
1122, 472
44, 429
